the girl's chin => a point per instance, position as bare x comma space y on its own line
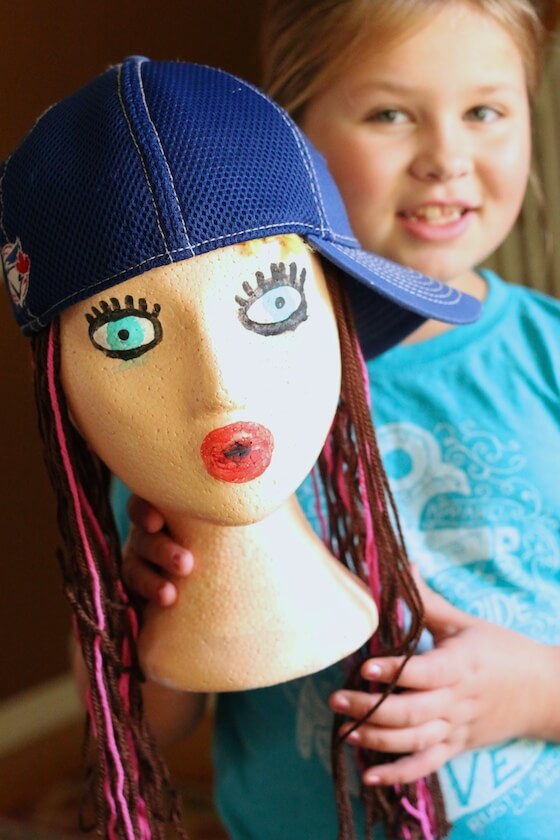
448, 265
442, 261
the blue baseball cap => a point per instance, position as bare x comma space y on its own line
156, 162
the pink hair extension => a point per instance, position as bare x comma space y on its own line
91, 714
365, 535
364, 372
113, 752
124, 679
372, 554
133, 794
422, 811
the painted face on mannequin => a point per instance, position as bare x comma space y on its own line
208, 386
429, 141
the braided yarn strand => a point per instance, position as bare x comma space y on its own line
130, 783
365, 535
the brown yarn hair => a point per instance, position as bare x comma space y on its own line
352, 453
353, 443
146, 786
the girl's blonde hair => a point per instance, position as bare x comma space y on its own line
306, 44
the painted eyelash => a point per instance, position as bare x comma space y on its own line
278, 277
124, 332
106, 310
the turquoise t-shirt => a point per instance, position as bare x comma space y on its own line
468, 428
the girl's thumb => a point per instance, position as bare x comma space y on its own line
442, 619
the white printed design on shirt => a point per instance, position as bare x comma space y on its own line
475, 526
314, 721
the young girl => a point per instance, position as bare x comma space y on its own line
422, 110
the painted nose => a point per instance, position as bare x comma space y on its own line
224, 369
220, 380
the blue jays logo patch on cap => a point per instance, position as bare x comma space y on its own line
15, 265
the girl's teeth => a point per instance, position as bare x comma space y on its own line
437, 215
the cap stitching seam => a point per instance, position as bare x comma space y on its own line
166, 253
142, 162
315, 186
316, 183
297, 134
183, 223
404, 282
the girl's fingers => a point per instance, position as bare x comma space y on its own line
146, 582
159, 550
144, 515
442, 618
410, 768
435, 669
409, 709
407, 740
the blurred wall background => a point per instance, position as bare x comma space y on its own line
531, 254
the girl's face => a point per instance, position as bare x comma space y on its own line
208, 386
429, 142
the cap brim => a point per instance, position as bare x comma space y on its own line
379, 323
406, 288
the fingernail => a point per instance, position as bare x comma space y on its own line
371, 780
166, 594
371, 670
352, 737
340, 702
182, 562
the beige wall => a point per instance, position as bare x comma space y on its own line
531, 254
49, 50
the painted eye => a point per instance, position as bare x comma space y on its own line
275, 306
124, 333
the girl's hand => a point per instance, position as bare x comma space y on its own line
149, 555
481, 684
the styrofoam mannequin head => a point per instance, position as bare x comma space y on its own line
144, 176
161, 371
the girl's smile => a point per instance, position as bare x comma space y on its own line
433, 162
436, 222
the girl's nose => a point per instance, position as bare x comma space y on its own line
444, 155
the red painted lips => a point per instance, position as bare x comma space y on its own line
238, 452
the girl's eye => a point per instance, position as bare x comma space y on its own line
124, 333
393, 116
274, 306
483, 113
